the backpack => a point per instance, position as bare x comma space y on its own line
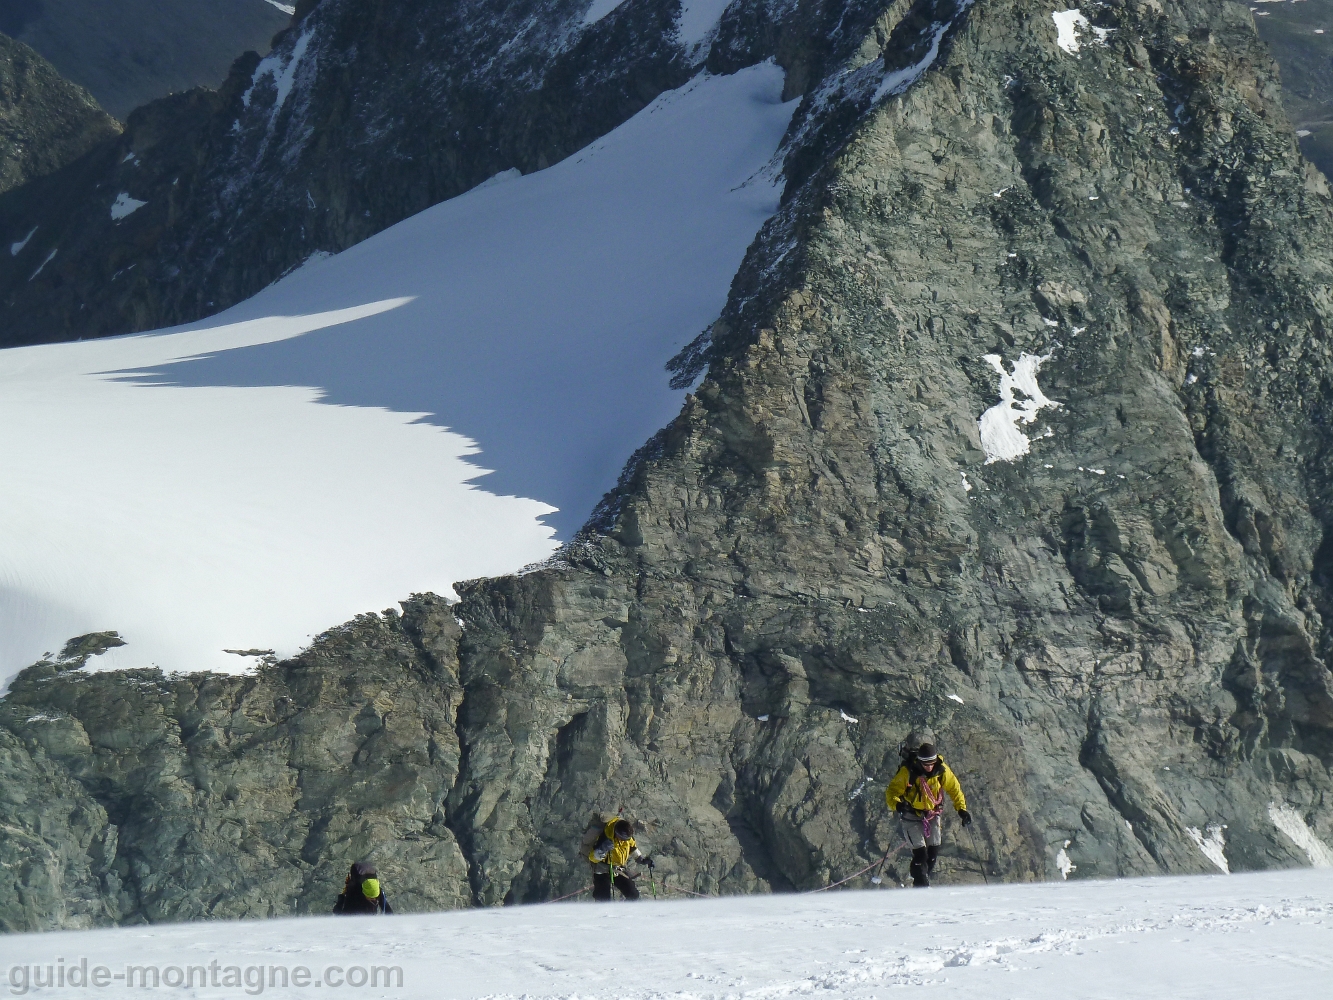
907, 748
596, 827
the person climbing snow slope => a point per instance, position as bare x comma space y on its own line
917, 793
613, 850
362, 892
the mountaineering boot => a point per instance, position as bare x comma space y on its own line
920, 876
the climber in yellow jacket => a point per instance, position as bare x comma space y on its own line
916, 794
612, 852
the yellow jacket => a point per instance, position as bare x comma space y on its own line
906, 785
610, 851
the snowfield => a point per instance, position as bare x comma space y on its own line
1241, 936
245, 482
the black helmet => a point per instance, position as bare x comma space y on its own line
926, 753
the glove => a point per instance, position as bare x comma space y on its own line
965, 816
901, 808
649, 863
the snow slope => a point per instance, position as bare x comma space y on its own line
1242, 936
247, 481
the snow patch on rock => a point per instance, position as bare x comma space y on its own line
42, 266
124, 206
900, 79
1001, 439
1067, 23
1290, 822
283, 73
1211, 843
697, 20
599, 9
1062, 862
17, 248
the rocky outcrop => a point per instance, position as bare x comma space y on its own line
134, 797
1016, 424
46, 122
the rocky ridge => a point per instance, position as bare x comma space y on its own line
1016, 423
46, 122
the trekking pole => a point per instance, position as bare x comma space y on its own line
875, 879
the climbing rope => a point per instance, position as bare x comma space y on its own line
571, 895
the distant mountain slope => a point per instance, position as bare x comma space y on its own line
1300, 35
130, 52
45, 121
366, 112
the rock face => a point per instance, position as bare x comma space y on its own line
1016, 424
131, 52
233, 796
46, 122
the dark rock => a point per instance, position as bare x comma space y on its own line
46, 122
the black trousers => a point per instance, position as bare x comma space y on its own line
923, 865
601, 887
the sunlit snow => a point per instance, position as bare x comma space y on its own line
1222, 938
1289, 821
1067, 23
312, 453
1211, 844
1001, 439
1062, 862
